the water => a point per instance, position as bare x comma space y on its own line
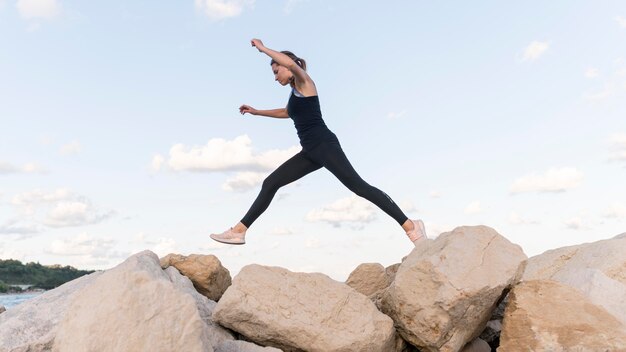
11, 300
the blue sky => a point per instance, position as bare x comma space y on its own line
121, 131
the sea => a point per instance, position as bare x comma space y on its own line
13, 299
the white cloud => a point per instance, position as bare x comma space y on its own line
73, 147
290, 4
281, 231
164, 246
352, 209
74, 213
615, 210
592, 72
157, 162
473, 208
244, 181
621, 21
46, 9
396, 115
617, 144
63, 208
19, 228
516, 219
534, 50
87, 250
223, 155
28, 168
222, 9
435, 194
554, 180
575, 223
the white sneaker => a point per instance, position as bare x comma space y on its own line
418, 233
230, 237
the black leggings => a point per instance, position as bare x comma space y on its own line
331, 156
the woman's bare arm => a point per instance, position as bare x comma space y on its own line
277, 113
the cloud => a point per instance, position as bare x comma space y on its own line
74, 213
617, 145
473, 208
223, 155
592, 72
290, 4
19, 228
46, 9
516, 219
281, 231
554, 180
575, 223
435, 194
352, 209
615, 210
396, 115
222, 9
621, 21
534, 50
87, 249
162, 245
63, 208
244, 181
29, 168
73, 147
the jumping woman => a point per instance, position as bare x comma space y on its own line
320, 148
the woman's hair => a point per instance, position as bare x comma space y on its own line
300, 62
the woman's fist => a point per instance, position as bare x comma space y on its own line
257, 43
247, 109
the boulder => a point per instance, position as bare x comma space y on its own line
137, 306
597, 269
205, 271
32, 325
447, 288
545, 315
273, 306
243, 346
368, 278
2, 309
477, 345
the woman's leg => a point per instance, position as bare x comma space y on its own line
332, 157
291, 170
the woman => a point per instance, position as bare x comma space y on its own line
320, 148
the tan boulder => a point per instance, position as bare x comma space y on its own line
597, 269
31, 325
368, 278
137, 306
205, 271
545, 315
273, 306
446, 289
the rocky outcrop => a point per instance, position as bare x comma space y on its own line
206, 272
446, 289
32, 325
596, 269
302, 311
369, 278
137, 306
545, 315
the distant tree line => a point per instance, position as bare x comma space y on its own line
13, 272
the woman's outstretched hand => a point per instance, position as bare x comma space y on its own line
247, 109
257, 43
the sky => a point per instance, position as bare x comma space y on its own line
120, 130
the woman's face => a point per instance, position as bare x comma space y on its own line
281, 74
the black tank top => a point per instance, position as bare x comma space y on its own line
307, 117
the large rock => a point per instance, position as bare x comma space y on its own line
368, 278
205, 271
272, 306
2, 309
545, 315
137, 306
446, 289
32, 325
597, 269
243, 346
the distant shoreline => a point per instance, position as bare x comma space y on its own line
22, 292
